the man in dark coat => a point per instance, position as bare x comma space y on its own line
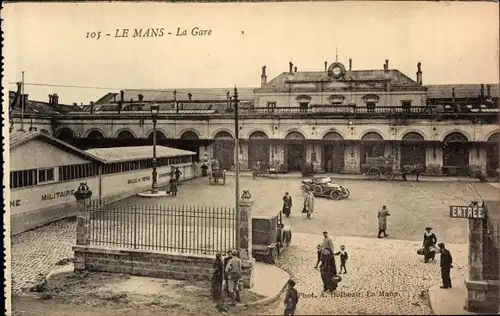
291, 299
287, 204
446, 265
217, 277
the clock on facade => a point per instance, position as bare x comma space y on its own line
336, 70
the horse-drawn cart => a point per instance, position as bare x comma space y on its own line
216, 175
377, 168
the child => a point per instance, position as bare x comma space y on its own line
319, 251
343, 258
291, 299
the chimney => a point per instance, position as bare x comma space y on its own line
75, 104
51, 99
326, 65
291, 67
141, 98
120, 103
453, 95
350, 64
190, 96
263, 78
488, 91
295, 69
25, 97
114, 97
56, 99
482, 91
386, 66
228, 98
419, 73
176, 103
91, 107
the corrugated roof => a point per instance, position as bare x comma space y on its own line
158, 95
279, 83
444, 91
39, 107
19, 138
118, 154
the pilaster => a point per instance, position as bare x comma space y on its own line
248, 263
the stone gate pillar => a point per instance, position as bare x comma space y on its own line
83, 195
247, 261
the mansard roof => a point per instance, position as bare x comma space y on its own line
280, 83
462, 91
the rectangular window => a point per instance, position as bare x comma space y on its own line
406, 105
304, 106
24, 178
45, 175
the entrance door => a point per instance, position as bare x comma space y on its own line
295, 152
258, 149
455, 155
333, 152
412, 153
224, 150
295, 156
492, 155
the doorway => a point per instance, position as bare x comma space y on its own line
295, 156
455, 155
333, 157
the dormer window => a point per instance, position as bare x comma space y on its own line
336, 99
303, 101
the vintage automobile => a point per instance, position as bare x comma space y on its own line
323, 187
216, 175
269, 237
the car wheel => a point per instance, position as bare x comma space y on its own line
335, 195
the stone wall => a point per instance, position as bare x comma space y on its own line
149, 263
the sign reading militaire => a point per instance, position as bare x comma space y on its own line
474, 211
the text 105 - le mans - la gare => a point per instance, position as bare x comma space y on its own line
149, 32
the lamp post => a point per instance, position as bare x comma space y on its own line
237, 167
155, 109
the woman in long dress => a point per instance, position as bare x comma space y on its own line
287, 204
328, 270
430, 241
217, 277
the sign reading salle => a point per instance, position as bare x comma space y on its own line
474, 212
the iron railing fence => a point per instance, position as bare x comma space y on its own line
170, 228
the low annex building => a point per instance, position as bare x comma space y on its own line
45, 172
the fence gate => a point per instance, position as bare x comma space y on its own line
173, 228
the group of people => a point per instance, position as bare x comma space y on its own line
173, 183
428, 249
227, 277
308, 207
207, 165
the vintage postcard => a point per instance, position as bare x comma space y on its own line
295, 158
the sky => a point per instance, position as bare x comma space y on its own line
456, 43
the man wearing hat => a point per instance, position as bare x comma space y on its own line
446, 265
430, 241
327, 242
308, 203
233, 272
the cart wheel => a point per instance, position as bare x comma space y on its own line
335, 195
318, 189
390, 176
373, 173
273, 256
346, 193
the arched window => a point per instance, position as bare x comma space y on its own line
372, 136
455, 137
258, 135
95, 134
294, 135
223, 135
125, 135
189, 135
65, 134
333, 135
413, 136
336, 99
159, 135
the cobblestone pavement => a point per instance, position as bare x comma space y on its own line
412, 204
35, 253
374, 266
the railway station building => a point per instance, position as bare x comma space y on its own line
334, 117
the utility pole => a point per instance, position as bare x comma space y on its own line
22, 103
237, 166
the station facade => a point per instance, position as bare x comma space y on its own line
333, 118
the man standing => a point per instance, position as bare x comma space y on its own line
309, 203
327, 242
287, 204
382, 221
177, 174
291, 299
233, 271
446, 265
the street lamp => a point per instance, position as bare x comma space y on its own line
155, 109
